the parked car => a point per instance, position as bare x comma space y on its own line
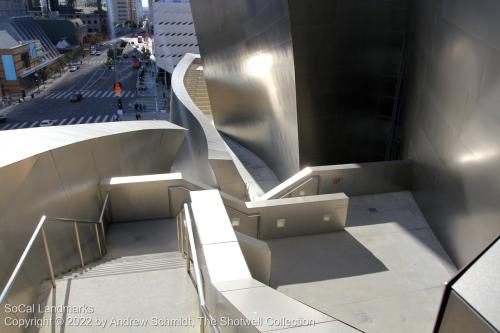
92, 52
73, 68
76, 97
98, 53
3, 119
47, 122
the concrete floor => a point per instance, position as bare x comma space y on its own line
384, 273
141, 286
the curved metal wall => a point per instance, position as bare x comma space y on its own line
453, 123
55, 172
303, 83
246, 48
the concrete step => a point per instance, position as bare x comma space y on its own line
130, 264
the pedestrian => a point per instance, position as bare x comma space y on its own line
137, 116
140, 117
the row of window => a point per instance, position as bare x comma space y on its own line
175, 23
176, 34
173, 56
178, 45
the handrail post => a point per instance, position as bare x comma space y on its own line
78, 244
96, 230
202, 320
49, 260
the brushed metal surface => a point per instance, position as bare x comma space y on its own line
204, 156
303, 83
246, 47
56, 171
453, 124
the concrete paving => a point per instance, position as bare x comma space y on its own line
384, 273
141, 286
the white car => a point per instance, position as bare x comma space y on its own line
73, 68
97, 53
92, 52
47, 122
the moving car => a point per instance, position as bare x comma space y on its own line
47, 122
97, 53
73, 68
76, 97
92, 52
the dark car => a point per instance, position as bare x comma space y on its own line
77, 97
3, 119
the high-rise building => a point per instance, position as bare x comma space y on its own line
174, 33
12, 7
120, 11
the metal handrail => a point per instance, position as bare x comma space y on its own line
39, 228
21, 260
192, 256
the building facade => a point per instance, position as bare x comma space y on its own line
12, 7
19, 60
120, 11
174, 33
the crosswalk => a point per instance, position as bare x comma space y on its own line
57, 122
87, 94
101, 61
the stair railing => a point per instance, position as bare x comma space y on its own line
187, 247
39, 229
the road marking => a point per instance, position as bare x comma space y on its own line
23, 124
62, 121
49, 95
91, 93
88, 120
60, 95
34, 124
105, 118
15, 125
111, 93
71, 121
68, 94
55, 95
132, 96
98, 93
6, 126
97, 119
80, 120
126, 94
86, 93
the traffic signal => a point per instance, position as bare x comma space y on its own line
120, 104
118, 87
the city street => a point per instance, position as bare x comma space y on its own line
93, 80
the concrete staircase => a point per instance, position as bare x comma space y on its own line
197, 88
130, 264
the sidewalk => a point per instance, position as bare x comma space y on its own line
36, 91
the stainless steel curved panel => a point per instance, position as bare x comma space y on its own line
246, 48
453, 121
304, 83
55, 171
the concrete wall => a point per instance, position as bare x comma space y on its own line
453, 120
